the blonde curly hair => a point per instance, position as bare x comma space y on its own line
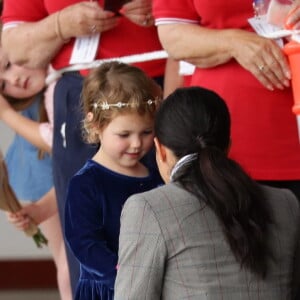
116, 88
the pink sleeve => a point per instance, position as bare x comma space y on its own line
46, 132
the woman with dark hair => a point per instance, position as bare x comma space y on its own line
211, 232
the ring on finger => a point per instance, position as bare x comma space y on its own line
147, 20
261, 68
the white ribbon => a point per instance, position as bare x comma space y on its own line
129, 59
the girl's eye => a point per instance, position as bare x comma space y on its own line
123, 135
147, 132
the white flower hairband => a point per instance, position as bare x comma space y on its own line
104, 105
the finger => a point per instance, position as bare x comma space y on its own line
273, 74
281, 59
22, 224
134, 9
264, 80
104, 25
138, 6
11, 217
275, 68
98, 28
271, 66
15, 215
142, 20
293, 17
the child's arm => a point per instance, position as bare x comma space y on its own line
23, 126
172, 79
85, 232
39, 211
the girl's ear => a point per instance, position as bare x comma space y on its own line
160, 150
90, 116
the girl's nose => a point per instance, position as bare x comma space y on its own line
15, 80
136, 143
12, 79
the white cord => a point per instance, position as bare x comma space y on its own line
129, 59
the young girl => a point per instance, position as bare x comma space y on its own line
119, 103
17, 83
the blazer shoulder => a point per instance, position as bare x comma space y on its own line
281, 197
284, 205
168, 204
162, 196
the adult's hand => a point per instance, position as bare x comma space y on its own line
48, 35
261, 56
139, 12
85, 18
207, 48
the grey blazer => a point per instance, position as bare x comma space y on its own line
172, 247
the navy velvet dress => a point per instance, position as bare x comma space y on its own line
92, 224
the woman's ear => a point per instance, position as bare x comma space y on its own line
162, 160
165, 160
160, 150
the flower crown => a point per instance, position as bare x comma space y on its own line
104, 105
